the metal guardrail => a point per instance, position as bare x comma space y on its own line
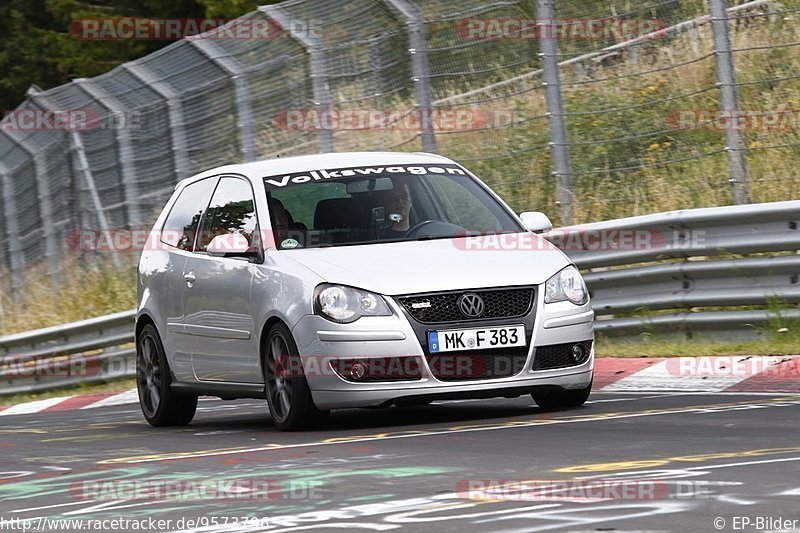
694, 274
713, 231
694, 278
722, 324
733, 282
89, 351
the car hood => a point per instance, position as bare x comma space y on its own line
435, 265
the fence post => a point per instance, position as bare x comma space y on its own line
51, 245
318, 67
729, 99
244, 114
128, 173
82, 166
177, 124
81, 163
562, 169
16, 259
420, 68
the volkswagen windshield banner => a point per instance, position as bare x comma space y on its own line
298, 178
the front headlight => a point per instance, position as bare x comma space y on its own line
347, 304
566, 285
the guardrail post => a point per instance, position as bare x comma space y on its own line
244, 115
418, 49
318, 67
562, 169
51, 244
729, 99
177, 124
129, 186
15, 257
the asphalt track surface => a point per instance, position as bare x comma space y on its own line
730, 456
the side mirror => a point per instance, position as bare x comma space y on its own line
535, 221
232, 245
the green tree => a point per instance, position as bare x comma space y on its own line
36, 47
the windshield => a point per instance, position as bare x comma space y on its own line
365, 205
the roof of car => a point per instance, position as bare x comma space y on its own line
285, 165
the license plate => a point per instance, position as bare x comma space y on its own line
450, 340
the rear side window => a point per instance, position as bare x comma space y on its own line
232, 210
184, 218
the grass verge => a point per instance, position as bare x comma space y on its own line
613, 348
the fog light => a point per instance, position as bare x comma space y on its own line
579, 353
358, 370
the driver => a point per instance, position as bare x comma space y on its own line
397, 204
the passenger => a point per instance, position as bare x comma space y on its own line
283, 225
281, 220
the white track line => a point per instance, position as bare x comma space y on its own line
33, 407
123, 398
664, 376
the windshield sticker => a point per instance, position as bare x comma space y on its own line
289, 243
298, 178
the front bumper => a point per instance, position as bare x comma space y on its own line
320, 340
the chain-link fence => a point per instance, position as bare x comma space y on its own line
584, 109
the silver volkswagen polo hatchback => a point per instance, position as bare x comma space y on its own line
354, 280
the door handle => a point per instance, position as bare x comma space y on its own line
190, 278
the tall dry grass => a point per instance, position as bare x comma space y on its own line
80, 291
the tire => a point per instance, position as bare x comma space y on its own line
160, 406
289, 397
563, 399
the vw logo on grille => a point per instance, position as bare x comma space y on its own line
471, 305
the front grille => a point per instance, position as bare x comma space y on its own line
557, 355
474, 364
442, 307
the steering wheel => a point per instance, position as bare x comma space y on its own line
419, 225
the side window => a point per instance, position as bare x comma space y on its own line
182, 222
232, 210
